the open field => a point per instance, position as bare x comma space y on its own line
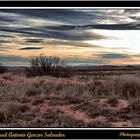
101, 97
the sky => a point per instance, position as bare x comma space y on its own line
78, 36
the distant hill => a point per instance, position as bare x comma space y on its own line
16, 68
107, 67
93, 68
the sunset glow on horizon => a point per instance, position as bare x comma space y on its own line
80, 36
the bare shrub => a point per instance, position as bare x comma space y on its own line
52, 65
3, 68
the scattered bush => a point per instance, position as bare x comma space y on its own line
3, 69
42, 65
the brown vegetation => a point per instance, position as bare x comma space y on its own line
42, 65
94, 100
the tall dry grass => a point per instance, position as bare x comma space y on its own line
121, 86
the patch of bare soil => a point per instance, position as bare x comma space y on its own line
78, 115
100, 120
65, 108
118, 105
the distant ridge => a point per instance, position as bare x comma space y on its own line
107, 67
95, 67
16, 68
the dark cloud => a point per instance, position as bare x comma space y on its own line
31, 48
34, 40
4, 41
64, 35
66, 16
6, 36
18, 30
6, 19
74, 23
129, 26
114, 56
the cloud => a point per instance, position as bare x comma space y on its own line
34, 29
63, 16
31, 48
45, 33
6, 36
128, 26
114, 56
57, 42
82, 61
65, 24
4, 41
54, 17
38, 40
10, 58
3, 49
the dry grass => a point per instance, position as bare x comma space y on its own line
119, 86
17, 91
10, 110
58, 119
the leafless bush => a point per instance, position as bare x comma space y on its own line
3, 68
52, 65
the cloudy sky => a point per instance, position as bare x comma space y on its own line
79, 36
